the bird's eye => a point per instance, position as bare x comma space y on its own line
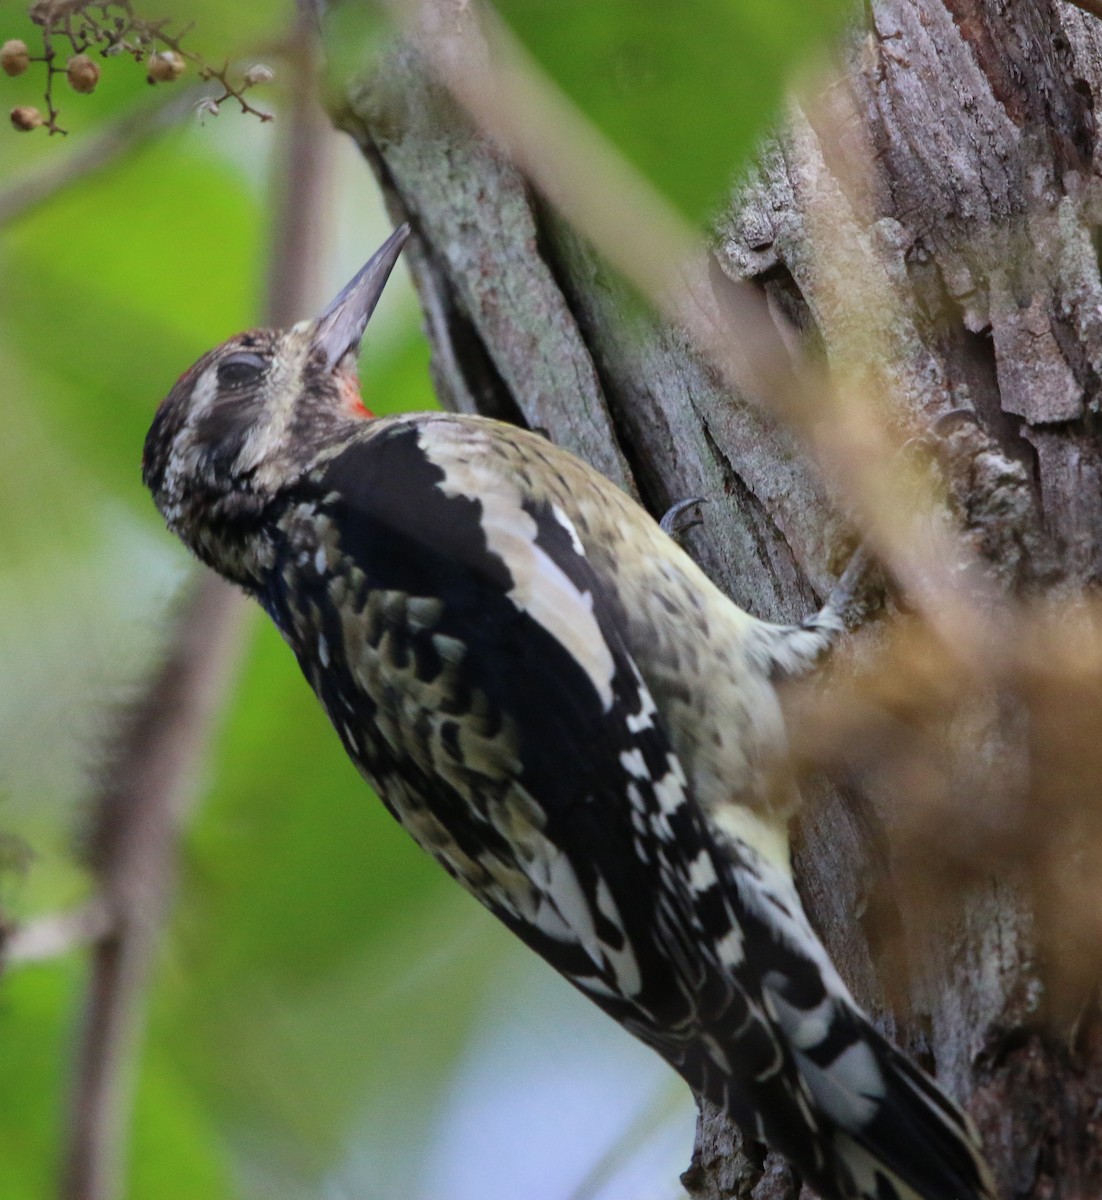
239, 369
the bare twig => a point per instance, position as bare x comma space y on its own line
139, 814
303, 186
144, 801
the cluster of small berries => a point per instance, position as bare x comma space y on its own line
15, 58
125, 34
81, 71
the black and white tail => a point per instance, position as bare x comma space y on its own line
877, 1127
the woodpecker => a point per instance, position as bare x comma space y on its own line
561, 708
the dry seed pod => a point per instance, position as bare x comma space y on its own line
15, 58
26, 117
82, 73
165, 66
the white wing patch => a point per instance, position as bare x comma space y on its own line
540, 586
804, 1028
644, 719
771, 895
730, 948
568, 525
624, 964
847, 1089
547, 594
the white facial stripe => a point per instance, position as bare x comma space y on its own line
278, 403
180, 461
203, 394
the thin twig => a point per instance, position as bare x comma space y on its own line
303, 186
116, 29
143, 804
139, 813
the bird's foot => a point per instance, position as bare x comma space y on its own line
679, 518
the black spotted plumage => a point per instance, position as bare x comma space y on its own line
560, 707
395, 526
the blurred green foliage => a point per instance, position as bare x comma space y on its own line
321, 981
682, 89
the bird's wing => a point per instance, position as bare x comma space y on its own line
474, 668
522, 719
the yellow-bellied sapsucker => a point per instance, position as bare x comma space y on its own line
560, 707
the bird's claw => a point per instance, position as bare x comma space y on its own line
675, 523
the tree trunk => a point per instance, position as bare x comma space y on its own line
957, 172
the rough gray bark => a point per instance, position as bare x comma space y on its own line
957, 172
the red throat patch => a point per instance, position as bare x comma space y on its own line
350, 395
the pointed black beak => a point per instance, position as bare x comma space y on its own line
340, 329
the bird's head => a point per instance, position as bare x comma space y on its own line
256, 411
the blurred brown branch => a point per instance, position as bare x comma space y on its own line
138, 816
141, 808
